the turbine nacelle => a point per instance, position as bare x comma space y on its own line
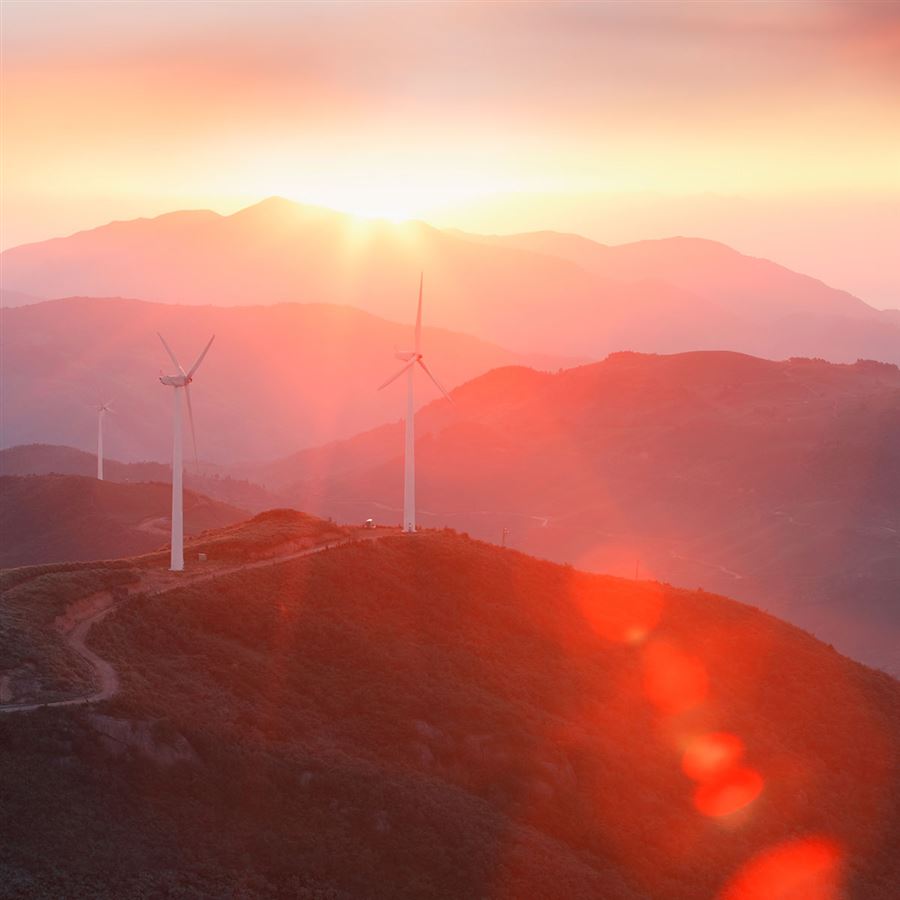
414, 357
175, 380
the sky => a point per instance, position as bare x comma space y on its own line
774, 127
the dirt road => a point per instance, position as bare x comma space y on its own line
80, 617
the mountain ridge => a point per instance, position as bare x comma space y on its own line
532, 292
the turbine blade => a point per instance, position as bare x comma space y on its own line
196, 365
187, 396
408, 366
171, 354
419, 316
440, 387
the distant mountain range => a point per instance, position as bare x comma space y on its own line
277, 378
540, 292
62, 518
778, 483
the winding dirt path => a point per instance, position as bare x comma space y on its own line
76, 625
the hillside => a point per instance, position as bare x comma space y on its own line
775, 482
543, 292
435, 717
58, 518
50, 459
277, 378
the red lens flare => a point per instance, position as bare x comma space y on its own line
805, 869
673, 681
729, 792
710, 755
622, 612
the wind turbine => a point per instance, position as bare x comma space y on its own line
412, 358
179, 381
102, 410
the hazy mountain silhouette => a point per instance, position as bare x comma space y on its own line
541, 292
432, 717
17, 298
62, 518
750, 287
278, 377
778, 482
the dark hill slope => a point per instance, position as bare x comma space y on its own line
433, 717
58, 518
776, 482
53, 459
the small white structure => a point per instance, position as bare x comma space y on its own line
180, 381
412, 358
102, 410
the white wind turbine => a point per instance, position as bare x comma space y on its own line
102, 410
411, 358
181, 380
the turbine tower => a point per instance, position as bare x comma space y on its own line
102, 410
412, 358
180, 381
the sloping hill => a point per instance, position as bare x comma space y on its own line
778, 483
433, 717
277, 377
52, 459
57, 518
544, 292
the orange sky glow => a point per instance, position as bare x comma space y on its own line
771, 126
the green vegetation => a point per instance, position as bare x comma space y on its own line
433, 717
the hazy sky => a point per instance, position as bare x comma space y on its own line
772, 126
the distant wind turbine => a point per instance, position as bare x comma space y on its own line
181, 380
411, 358
102, 410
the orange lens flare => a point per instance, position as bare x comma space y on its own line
673, 681
805, 869
624, 613
710, 755
728, 793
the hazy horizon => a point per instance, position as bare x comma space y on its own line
767, 126
639, 217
